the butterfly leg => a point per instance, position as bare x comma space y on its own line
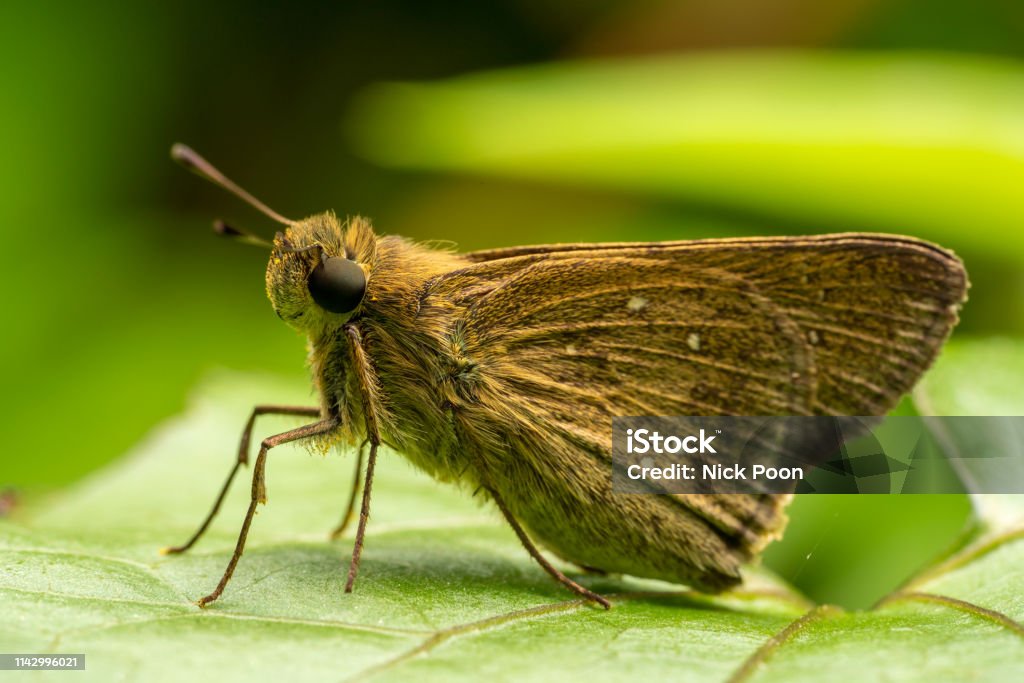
351, 506
366, 381
536, 554
364, 516
242, 459
259, 492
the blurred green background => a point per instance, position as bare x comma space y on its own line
607, 120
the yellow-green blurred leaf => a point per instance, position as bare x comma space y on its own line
923, 143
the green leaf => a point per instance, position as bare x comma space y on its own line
982, 379
920, 143
445, 592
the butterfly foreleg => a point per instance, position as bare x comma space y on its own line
259, 492
365, 380
242, 459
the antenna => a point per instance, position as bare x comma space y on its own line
222, 228
190, 159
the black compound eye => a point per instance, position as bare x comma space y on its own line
337, 285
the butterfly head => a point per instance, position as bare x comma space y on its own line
318, 270
319, 266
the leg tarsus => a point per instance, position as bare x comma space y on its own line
174, 550
259, 493
242, 459
346, 518
364, 516
541, 560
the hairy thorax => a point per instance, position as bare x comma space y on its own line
412, 340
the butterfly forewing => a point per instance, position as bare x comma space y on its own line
873, 310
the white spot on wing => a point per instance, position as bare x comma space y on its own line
693, 341
637, 304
